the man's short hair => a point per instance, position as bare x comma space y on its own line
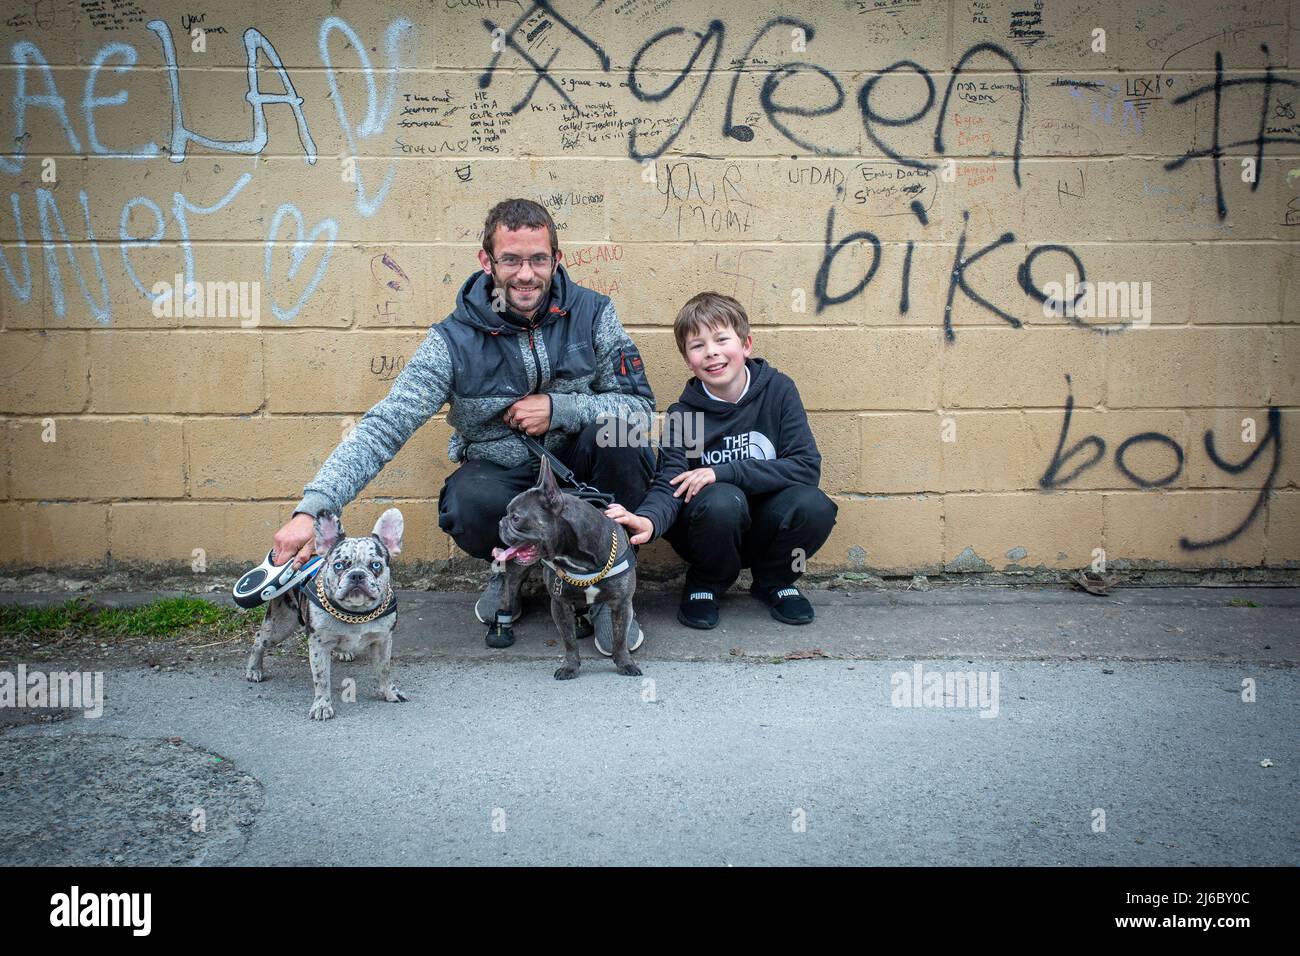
518, 214
711, 310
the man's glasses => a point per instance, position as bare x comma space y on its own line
540, 262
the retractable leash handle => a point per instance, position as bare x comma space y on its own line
268, 580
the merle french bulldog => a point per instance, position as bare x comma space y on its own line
588, 559
355, 582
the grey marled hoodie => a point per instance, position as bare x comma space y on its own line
483, 361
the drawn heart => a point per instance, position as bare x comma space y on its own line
302, 246
377, 112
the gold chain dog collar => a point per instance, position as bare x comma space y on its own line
587, 582
344, 616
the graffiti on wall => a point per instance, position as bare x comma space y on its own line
878, 159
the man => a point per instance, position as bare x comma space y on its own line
525, 350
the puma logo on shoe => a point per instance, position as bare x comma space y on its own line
788, 605
698, 608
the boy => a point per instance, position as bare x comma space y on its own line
750, 497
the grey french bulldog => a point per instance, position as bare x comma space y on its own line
588, 560
356, 582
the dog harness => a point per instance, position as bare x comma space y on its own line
608, 571
316, 594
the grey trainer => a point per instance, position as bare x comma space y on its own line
485, 608
603, 623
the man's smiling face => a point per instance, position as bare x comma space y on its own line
525, 287
717, 356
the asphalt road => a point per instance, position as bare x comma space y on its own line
712, 757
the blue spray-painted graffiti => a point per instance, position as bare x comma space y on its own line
33, 72
45, 205
253, 42
301, 247
26, 54
376, 117
90, 102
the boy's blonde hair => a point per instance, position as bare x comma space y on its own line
709, 310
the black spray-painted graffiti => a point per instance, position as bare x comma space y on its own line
957, 279
1092, 448
1216, 148
720, 205
774, 110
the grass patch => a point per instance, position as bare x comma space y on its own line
1241, 602
168, 618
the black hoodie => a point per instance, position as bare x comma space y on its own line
760, 444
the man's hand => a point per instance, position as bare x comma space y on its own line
693, 482
531, 414
298, 535
644, 527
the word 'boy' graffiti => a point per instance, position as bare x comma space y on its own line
1092, 448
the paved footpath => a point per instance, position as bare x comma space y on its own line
755, 743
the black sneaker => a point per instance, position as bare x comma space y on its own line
500, 633
699, 608
582, 626
785, 604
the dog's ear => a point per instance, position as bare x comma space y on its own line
574, 545
328, 532
551, 495
388, 529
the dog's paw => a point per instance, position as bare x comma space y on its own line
629, 670
255, 675
322, 709
343, 656
566, 673
393, 696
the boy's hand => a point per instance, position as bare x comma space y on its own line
644, 527
693, 482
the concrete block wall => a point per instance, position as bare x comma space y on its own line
889, 187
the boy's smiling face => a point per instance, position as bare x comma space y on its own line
717, 358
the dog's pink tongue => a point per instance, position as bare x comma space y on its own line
520, 552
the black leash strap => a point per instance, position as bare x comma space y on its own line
562, 473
